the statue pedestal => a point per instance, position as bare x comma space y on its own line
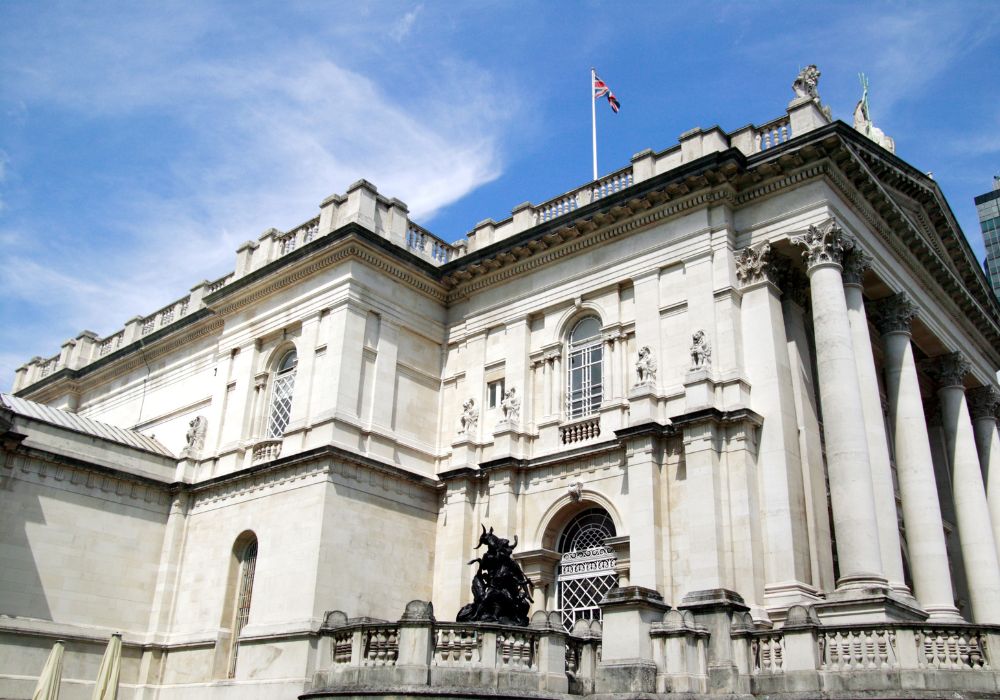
643, 404
627, 664
508, 440
465, 452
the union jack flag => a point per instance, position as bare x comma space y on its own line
601, 89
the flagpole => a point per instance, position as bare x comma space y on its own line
593, 117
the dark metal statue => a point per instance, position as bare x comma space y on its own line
501, 592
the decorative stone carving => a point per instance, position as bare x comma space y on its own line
893, 314
645, 367
824, 244
950, 369
855, 263
701, 351
863, 120
469, 418
806, 83
984, 402
195, 437
501, 592
755, 265
575, 491
511, 406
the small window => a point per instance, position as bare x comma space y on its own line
281, 395
494, 393
244, 592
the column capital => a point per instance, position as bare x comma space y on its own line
949, 370
893, 314
855, 263
824, 244
984, 402
755, 264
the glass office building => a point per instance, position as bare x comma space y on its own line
988, 209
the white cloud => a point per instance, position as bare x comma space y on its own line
269, 136
404, 25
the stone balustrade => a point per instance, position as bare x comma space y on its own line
419, 650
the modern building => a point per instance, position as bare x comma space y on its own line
988, 209
737, 402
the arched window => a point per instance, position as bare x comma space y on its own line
586, 566
245, 552
281, 395
584, 385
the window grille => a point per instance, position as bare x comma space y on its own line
586, 567
248, 563
585, 369
281, 396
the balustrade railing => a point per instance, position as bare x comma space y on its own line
457, 646
951, 649
517, 650
266, 450
557, 207
768, 653
615, 182
426, 244
110, 344
219, 283
381, 646
771, 134
580, 430
857, 649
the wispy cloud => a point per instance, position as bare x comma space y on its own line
268, 136
404, 25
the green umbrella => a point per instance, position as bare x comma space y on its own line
106, 687
48, 682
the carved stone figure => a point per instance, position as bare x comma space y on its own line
701, 351
806, 82
511, 406
469, 418
575, 491
645, 366
196, 436
863, 120
501, 592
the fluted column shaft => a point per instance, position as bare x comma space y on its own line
851, 494
975, 531
984, 405
855, 263
914, 464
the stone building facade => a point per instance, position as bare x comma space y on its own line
737, 401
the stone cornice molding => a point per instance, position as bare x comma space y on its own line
755, 265
893, 314
825, 244
856, 262
949, 370
984, 402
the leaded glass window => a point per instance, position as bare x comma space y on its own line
586, 567
584, 390
248, 564
281, 395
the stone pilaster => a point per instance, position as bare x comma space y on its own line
855, 265
914, 464
984, 407
851, 493
972, 511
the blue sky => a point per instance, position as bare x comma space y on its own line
141, 142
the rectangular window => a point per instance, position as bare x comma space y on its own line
494, 393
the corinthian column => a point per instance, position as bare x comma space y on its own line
975, 532
851, 495
855, 263
984, 405
914, 463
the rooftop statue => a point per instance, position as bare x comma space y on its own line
863, 119
807, 82
501, 592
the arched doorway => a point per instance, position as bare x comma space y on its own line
586, 565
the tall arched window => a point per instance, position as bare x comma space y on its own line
281, 395
584, 385
586, 566
245, 551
